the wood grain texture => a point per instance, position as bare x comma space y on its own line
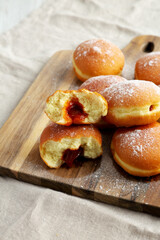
101, 179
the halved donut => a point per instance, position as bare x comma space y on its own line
61, 144
133, 102
99, 83
97, 57
137, 149
76, 107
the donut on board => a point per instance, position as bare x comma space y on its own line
60, 144
97, 84
148, 68
131, 103
97, 57
76, 107
137, 149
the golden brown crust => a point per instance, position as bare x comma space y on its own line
131, 93
147, 68
70, 91
129, 103
79, 76
57, 132
137, 150
97, 57
99, 83
60, 144
130, 121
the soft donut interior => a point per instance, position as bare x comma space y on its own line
81, 106
54, 153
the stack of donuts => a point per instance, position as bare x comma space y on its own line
105, 100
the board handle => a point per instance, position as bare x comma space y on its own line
138, 47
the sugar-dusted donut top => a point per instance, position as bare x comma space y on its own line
98, 57
139, 146
97, 84
131, 93
148, 67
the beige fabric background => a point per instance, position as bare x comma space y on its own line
31, 212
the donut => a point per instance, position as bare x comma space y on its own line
133, 102
137, 149
97, 57
76, 107
60, 144
148, 68
97, 84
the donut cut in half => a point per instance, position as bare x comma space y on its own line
60, 144
76, 107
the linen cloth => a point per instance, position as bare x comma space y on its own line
32, 212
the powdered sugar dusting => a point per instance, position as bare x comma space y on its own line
91, 41
97, 49
127, 90
108, 78
151, 59
145, 64
120, 90
154, 62
108, 52
84, 53
96, 45
98, 83
138, 140
92, 80
148, 67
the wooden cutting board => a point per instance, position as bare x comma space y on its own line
102, 179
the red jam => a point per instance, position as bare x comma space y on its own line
75, 111
151, 108
70, 155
